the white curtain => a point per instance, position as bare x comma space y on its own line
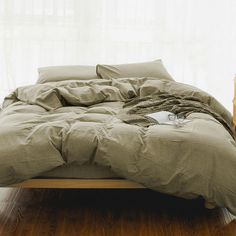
195, 38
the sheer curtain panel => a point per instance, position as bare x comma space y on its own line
195, 39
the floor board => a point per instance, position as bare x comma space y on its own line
107, 212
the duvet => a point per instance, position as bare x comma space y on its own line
103, 122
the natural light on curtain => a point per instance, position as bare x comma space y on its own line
195, 38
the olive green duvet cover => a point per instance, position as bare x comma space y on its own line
103, 122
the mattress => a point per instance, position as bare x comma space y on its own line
80, 172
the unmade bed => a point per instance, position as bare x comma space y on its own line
77, 127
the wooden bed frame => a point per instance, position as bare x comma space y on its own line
79, 183
94, 183
234, 103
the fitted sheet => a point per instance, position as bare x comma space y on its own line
80, 172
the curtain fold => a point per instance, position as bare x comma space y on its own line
195, 39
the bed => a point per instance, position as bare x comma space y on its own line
86, 127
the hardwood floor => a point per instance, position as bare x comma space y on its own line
71, 212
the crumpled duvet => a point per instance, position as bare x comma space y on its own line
102, 122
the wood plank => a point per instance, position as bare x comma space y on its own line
98, 212
79, 183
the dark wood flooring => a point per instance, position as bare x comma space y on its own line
71, 212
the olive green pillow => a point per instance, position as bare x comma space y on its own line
146, 69
60, 73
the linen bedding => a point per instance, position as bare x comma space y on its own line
102, 122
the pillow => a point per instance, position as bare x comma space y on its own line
146, 69
59, 73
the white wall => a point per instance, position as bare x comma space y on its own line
195, 38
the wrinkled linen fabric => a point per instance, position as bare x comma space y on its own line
102, 122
